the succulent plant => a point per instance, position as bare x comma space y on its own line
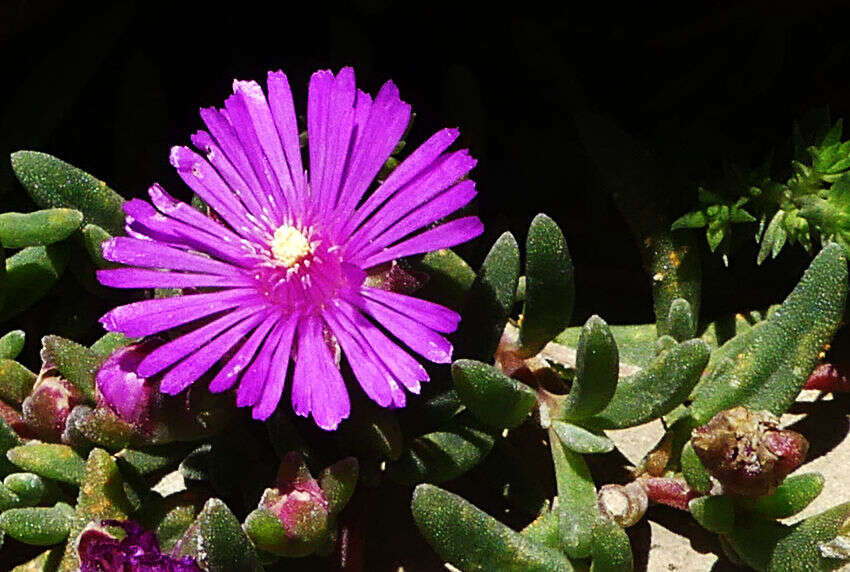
100, 468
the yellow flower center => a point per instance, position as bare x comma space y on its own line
290, 246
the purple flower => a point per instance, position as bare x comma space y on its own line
121, 389
280, 271
138, 551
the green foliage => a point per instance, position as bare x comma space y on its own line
16, 381
611, 550
76, 363
766, 366
217, 542
30, 274
470, 539
51, 461
716, 216
715, 513
41, 526
493, 397
11, 344
581, 440
597, 371
549, 285
693, 470
576, 510
792, 496
39, 228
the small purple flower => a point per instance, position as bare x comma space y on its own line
138, 551
282, 267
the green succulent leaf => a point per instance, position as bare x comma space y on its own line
470, 539
50, 460
41, 526
151, 459
110, 342
449, 278
338, 482
577, 510
29, 487
493, 397
597, 371
38, 228
793, 495
8, 440
217, 542
93, 238
445, 454
693, 219
768, 365
769, 546
680, 320
489, 301
696, 475
47, 561
611, 551
16, 381
549, 285
634, 344
268, 534
8, 499
581, 440
655, 391
54, 183
78, 364
12, 343
714, 513
30, 274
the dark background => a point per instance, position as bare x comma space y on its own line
111, 87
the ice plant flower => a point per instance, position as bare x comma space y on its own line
278, 274
138, 551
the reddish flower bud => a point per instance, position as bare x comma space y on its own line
121, 390
828, 378
747, 451
668, 491
297, 500
46, 409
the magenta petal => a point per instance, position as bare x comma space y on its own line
438, 318
139, 278
254, 379
369, 371
283, 111
150, 254
190, 369
230, 372
150, 317
317, 386
444, 236
276, 378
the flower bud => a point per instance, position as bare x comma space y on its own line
669, 491
46, 409
747, 451
298, 501
120, 389
828, 378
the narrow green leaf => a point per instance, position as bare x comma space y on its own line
8, 440
549, 285
110, 342
597, 371
38, 228
101, 497
693, 470
694, 219
338, 482
29, 487
47, 561
612, 551
470, 539
656, 390
714, 513
40, 526
78, 364
793, 495
492, 396
768, 365
152, 459
93, 238
30, 274
680, 321
217, 542
49, 460
16, 381
12, 343
443, 455
577, 510
8, 499
489, 301
54, 183
449, 278
580, 440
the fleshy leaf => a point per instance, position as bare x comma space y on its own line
54, 183
581, 440
656, 390
449, 278
611, 551
11, 344
93, 238
493, 397
38, 228
470, 539
30, 274
766, 368
489, 301
78, 364
793, 495
29, 487
41, 526
693, 470
217, 542
338, 482
549, 285
714, 513
50, 460
680, 321
576, 510
597, 371
16, 381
